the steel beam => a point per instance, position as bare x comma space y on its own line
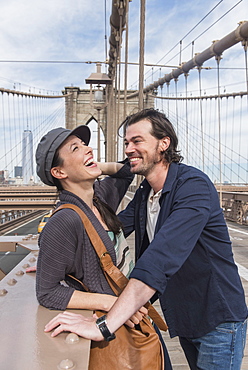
216, 49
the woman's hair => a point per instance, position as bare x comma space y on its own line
106, 212
108, 215
57, 161
161, 127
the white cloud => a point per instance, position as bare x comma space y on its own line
62, 30
74, 31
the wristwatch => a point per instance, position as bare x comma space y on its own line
101, 323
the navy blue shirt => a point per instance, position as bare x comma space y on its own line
190, 261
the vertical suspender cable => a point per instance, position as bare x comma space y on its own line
233, 125
225, 137
239, 146
175, 79
245, 44
201, 120
114, 92
141, 53
218, 58
4, 133
126, 62
10, 137
162, 100
161, 88
180, 52
168, 100
15, 119
20, 98
193, 44
119, 76
187, 121
105, 33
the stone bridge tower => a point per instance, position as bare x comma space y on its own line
81, 109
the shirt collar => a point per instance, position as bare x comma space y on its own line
171, 177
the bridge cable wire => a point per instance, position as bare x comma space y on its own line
208, 28
186, 116
212, 144
188, 33
201, 118
245, 44
27, 111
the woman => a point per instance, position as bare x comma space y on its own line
65, 160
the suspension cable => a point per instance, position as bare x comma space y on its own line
201, 119
218, 59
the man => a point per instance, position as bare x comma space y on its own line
188, 264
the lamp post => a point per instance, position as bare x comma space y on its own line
100, 99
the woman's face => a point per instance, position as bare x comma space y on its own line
77, 161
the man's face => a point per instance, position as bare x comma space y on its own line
142, 149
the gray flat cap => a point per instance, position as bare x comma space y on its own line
49, 144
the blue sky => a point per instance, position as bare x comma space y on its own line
60, 30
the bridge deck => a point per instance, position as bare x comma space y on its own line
22, 319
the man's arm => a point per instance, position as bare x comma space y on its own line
135, 295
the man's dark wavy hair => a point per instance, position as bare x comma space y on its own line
161, 127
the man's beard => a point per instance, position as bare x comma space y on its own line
145, 169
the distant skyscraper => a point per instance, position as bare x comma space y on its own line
18, 171
27, 156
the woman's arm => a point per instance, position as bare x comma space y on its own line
91, 301
109, 168
58, 243
124, 308
112, 189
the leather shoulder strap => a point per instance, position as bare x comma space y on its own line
114, 276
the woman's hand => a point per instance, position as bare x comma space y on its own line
31, 269
75, 323
85, 326
137, 317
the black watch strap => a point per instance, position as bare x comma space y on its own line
101, 323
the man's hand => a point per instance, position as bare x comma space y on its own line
137, 317
75, 323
